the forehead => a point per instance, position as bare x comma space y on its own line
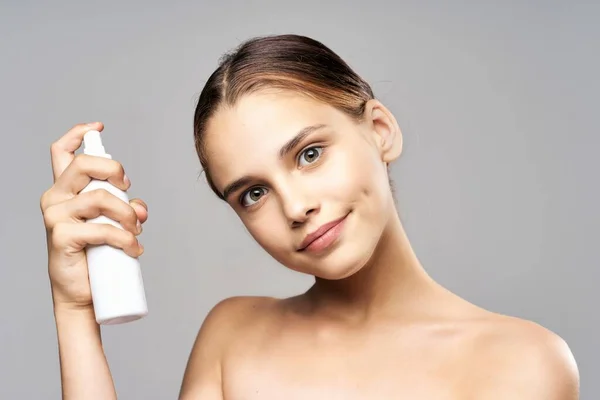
241, 139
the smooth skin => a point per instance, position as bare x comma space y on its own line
373, 326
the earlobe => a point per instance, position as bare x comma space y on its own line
388, 136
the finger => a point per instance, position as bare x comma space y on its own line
141, 209
63, 150
84, 168
91, 205
74, 237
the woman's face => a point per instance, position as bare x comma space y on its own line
292, 167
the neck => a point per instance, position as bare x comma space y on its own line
392, 282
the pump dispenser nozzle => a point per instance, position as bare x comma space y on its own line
92, 144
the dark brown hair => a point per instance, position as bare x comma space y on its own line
288, 62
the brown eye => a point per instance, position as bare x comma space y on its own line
311, 154
252, 196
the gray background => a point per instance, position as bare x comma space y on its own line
497, 187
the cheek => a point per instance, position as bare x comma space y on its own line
353, 176
267, 227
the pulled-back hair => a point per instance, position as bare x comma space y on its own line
289, 62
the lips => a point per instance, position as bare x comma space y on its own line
319, 232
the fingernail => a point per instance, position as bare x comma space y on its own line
141, 249
126, 180
139, 226
91, 123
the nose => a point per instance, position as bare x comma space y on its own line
298, 204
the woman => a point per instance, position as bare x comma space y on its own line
295, 142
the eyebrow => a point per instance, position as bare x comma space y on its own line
285, 150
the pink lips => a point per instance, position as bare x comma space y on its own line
323, 237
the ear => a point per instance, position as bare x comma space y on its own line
386, 131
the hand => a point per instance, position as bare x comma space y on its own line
65, 210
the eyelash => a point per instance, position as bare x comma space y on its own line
311, 147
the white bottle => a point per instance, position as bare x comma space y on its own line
115, 277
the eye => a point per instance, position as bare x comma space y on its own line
310, 155
252, 196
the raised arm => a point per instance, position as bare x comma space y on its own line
84, 370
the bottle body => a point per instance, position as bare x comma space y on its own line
115, 277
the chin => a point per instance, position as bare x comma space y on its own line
336, 274
342, 262
343, 266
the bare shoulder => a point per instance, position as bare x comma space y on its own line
234, 312
227, 319
224, 323
526, 361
